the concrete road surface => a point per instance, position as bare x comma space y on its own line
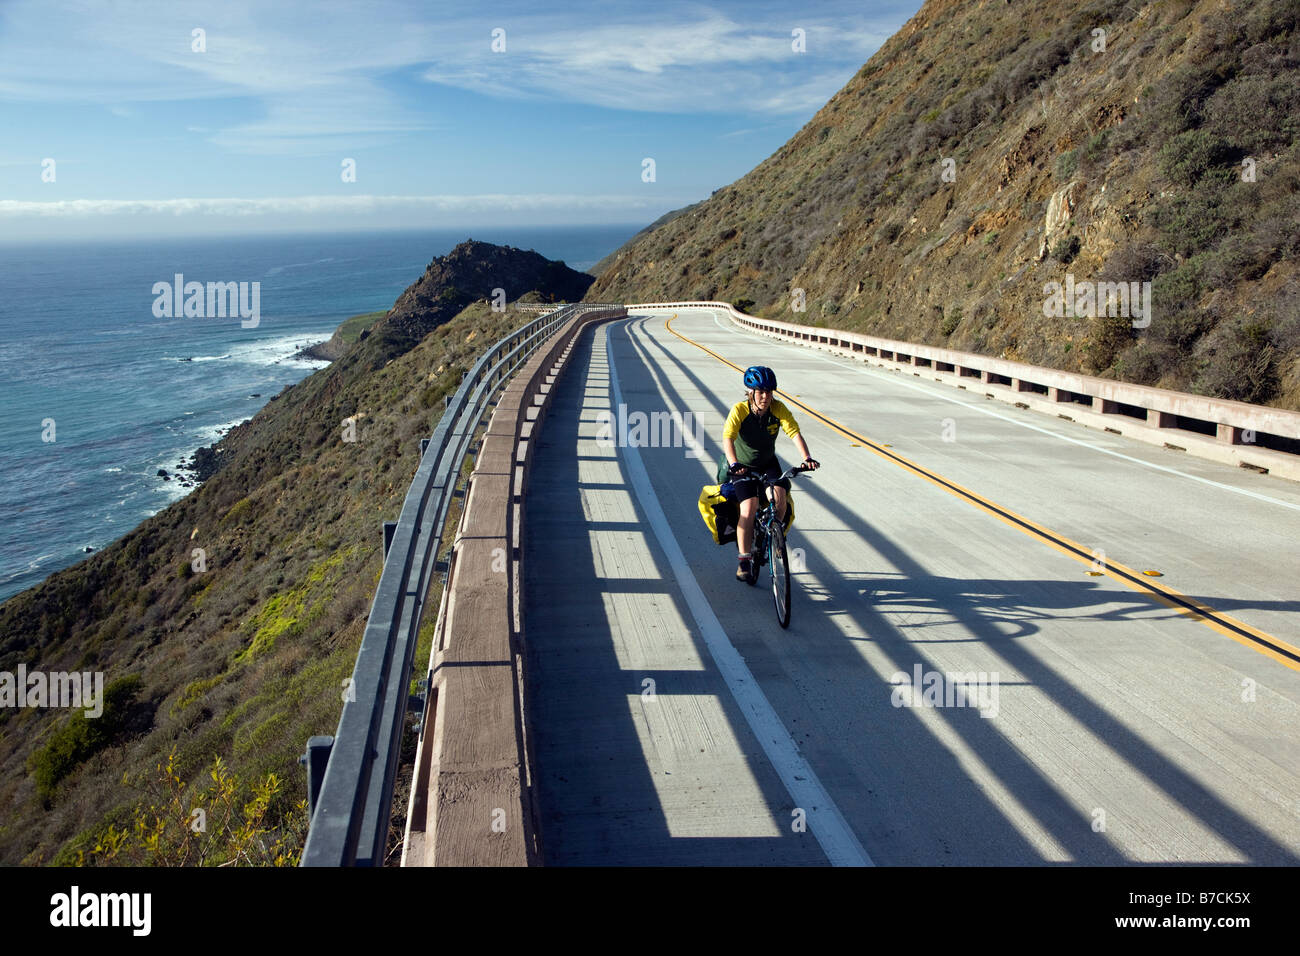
1063, 712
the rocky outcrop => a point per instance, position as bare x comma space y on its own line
472, 271
328, 351
1059, 209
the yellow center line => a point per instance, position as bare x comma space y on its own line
1257, 640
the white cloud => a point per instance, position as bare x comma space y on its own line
317, 76
711, 64
309, 75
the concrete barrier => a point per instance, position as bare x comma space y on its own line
1256, 437
471, 795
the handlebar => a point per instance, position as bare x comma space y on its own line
759, 476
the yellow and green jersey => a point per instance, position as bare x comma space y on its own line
755, 436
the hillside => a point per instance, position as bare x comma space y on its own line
1166, 153
240, 655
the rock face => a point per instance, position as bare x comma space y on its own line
1059, 208
989, 148
327, 351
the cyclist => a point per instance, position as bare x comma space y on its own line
749, 441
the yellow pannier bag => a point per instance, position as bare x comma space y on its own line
721, 513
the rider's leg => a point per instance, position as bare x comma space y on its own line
779, 496
745, 529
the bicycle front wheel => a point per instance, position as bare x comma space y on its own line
758, 548
780, 573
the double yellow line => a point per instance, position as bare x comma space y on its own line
1257, 640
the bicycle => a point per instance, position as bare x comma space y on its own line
769, 546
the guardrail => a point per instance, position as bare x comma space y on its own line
351, 775
537, 306
471, 795
1256, 437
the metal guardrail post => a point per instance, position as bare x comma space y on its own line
315, 759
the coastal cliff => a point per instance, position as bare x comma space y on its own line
224, 625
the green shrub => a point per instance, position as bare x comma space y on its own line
228, 823
1066, 248
1144, 363
80, 737
1067, 164
1095, 148
951, 321
1181, 327
1110, 336
743, 305
1134, 262
1176, 289
1193, 222
1257, 112
1189, 157
1237, 362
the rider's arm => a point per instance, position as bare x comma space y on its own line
729, 449
791, 428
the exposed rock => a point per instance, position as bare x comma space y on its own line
1059, 209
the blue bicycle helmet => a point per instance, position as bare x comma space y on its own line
760, 377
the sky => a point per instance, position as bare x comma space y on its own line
139, 119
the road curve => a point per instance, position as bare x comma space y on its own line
943, 536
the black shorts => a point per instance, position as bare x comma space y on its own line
745, 487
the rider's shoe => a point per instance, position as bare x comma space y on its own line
743, 571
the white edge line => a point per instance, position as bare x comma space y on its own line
924, 389
828, 825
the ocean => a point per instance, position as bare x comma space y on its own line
99, 393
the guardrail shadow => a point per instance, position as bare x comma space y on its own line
899, 746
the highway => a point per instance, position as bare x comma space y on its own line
1119, 717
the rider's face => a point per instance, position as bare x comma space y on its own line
762, 399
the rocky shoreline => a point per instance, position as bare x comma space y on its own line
327, 351
199, 467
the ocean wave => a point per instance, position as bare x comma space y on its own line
279, 351
137, 330
194, 439
34, 564
217, 432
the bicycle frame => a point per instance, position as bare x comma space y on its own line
769, 546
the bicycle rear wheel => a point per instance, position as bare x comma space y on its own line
780, 573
